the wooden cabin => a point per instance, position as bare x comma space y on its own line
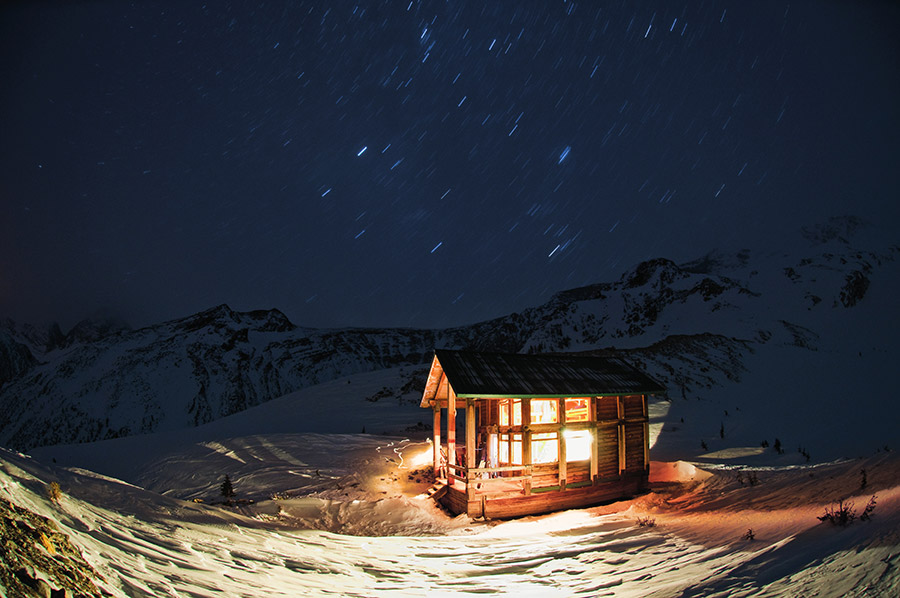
541, 432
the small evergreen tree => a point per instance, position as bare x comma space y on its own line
227, 489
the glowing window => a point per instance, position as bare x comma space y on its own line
578, 445
515, 405
544, 411
545, 448
577, 410
511, 447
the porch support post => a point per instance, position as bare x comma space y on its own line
561, 438
451, 428
526, 441
592, 416
436, 439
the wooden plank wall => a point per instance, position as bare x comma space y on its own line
608, 451
607, 437
634, 433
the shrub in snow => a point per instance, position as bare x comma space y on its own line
53, 492
867, 512
646, 521
845, 513
749, 535
751, 478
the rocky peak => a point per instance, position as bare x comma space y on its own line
95, 328
836, 228
271, 320
214, 317
657, 273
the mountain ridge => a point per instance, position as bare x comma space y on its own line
108, 381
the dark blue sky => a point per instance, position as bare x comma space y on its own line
424, 163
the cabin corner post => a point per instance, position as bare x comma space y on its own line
646, 435
620, 404
436, 439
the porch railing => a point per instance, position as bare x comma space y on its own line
481, 480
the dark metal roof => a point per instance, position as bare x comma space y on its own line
476, 374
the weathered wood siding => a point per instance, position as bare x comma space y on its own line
546, 502
634, 447
454, 501
607, 408
634, 433
608, 451
578, 472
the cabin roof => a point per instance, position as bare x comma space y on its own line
499, 375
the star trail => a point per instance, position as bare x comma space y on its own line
420, 163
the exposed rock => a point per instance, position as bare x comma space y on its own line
854, 288
38, 559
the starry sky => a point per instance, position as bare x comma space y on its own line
397, 163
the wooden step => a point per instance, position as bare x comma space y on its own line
437, 491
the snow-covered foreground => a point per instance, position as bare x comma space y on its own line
343, 515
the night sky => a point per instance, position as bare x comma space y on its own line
425, 163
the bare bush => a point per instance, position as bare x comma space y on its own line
54, 493
845, 512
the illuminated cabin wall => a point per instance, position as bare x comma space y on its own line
504, 432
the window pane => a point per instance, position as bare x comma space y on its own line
544, 448
578, 445
517, 449
515, 407
577, 410
544, 411
510, 450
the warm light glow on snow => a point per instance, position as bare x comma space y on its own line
419, 457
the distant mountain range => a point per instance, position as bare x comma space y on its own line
691, 325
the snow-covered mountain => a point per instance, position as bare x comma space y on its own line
695, 325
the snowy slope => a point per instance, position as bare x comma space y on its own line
341, 516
